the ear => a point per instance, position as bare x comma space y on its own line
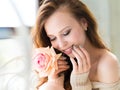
84, 23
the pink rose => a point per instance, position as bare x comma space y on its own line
45, 60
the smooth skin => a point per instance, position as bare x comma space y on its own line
68, 35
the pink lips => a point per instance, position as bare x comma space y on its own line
68, 51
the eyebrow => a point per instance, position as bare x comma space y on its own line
61, 30
64, 28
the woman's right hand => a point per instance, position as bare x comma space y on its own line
56, 78
62, 66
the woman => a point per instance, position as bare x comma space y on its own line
70, 27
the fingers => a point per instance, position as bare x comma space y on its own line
87, 57
62, 65
74, 65
62, 62
83, 60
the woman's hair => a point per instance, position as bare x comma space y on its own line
76, 8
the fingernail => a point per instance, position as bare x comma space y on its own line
80, 46
74, 46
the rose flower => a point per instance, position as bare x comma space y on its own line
45, 61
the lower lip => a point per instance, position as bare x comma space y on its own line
68, 51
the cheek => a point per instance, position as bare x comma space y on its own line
78, 38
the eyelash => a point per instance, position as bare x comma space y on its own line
65, 34
52, 39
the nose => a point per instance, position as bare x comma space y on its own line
61, 43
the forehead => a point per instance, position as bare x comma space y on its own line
58, 20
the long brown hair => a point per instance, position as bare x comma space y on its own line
78, 10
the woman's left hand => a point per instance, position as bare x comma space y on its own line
82, 63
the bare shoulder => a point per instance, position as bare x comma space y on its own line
108, 68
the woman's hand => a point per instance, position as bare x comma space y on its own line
82, 63
62, 66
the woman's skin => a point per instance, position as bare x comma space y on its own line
68, 35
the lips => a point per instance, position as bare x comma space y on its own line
68, 51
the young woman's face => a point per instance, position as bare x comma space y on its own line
65, 31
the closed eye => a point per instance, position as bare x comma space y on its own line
66, 32
52, 38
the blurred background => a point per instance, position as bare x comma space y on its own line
17, 17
